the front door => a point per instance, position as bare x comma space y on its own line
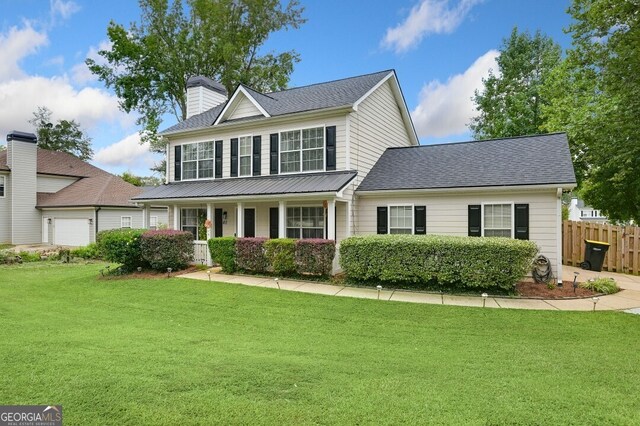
250, 223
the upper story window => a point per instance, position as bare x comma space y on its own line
302, 150
197, 160
1, 186
245, 148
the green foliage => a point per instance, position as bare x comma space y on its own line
315, 256
596, 100
281, 255
167, 249
64, 136
149, 63
565, 212
601, 285
29, 256
122, 246
223, 252
250, 254
87, 252
511, 100
132, 179
432, 260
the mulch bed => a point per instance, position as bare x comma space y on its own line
532, 289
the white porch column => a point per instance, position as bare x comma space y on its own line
176, 217
349, 224
146, 216
282, 219
210, 210
240, 220
331, 219
559, 234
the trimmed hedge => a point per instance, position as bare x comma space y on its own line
433, 260
223, 252
122, 246
315, 256
167, 249
281, 255
250, 254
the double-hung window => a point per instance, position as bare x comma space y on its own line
245, 148
498, 220
2, 183
197, 160
192, 220
153, 222
125, 221
302, 150
305, 222
400, 219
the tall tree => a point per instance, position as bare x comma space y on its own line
596, 99
149, 63
65, 135
510, 102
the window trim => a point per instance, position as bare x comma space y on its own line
413, 217
299, 206
213, 160
122, 218
250, 137
494, 203
3, 183
300, 129
151, 220
197, 226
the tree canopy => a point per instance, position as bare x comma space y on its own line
150, 62
65, 135
511, 100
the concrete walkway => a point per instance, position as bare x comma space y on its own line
627, 299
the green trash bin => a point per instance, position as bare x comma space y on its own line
594, 252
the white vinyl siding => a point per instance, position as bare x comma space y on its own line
5, 212
497, 220
52, 184
401, 219
26, 226
244, 108
126, 222
244, 155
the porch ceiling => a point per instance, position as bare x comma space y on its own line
258, 185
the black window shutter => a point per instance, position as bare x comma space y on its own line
234, 157
274, 218
273, 154
257, 145
331, 147
218, 159
177, 164
217, 223
420, 220
382, 220
475, 220
522, 221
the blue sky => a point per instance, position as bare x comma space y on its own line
441, 49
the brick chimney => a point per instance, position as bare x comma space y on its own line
203, 94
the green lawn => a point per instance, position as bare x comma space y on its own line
176, 351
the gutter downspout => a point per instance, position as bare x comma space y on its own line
95, 236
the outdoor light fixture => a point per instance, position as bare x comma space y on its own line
49, 221
169, 272
90, 221
575, 282
277, 283
379, 290
595, 300
484, 299
224, 217
209, 274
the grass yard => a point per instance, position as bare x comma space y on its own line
176, 351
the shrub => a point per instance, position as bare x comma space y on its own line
28, 256
122, 246
450, 262
250, 254
281, 255
223, 252
315, 256
167, 249
87, 252
601, 285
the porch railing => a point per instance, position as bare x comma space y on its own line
201, 255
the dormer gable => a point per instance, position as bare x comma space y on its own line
242, 104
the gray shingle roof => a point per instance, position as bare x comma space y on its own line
526, 160
299, 99
259, 185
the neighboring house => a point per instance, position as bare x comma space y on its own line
578, 211
342, 158
55, 198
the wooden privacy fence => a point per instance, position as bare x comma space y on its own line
624, 252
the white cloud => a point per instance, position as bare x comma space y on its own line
80, 73
446, 108
126, 153
427, 17
16, 45
62, 9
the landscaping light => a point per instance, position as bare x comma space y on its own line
169, 272
139, 268
595, 300
209, 274
277, 283
575, 283
379, 290
484, 299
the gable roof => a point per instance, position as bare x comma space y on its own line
525, 160
94, 187
337, 93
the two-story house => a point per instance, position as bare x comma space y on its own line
342, 158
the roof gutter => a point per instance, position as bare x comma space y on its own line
233, 198
505, 188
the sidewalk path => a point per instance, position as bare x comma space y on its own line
628, 298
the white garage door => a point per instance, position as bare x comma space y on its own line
71, 232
